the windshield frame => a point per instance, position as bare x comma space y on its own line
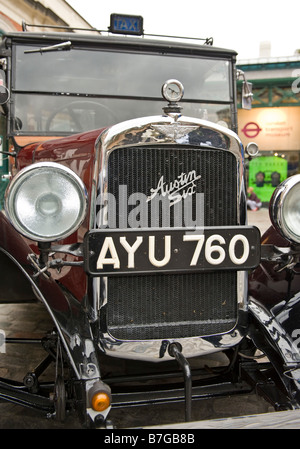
131, 45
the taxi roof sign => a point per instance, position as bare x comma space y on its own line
125, 24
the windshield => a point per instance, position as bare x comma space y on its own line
63, 92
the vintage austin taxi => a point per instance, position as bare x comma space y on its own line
126, 217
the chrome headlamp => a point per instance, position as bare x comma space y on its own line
285, 209
46, 202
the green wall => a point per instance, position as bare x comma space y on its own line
265, 173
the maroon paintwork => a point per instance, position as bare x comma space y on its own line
78, 153
266, 284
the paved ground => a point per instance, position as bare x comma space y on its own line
260, 219
16, 360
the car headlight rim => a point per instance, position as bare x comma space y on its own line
41, 213
285, 209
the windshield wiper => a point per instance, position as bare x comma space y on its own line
57, 47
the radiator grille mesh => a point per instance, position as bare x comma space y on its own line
171, 305
141, 169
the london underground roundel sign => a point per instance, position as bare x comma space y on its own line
251, 130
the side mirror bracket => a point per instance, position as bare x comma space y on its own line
247, 95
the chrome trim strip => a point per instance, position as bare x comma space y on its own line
157, 350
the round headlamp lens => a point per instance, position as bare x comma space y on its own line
49, 205
46, 202
291, 212
285, 209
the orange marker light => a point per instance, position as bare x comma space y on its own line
100, 401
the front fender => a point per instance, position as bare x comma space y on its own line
268, 284
65, 310
283, 328
15, 286
276, 335
274, 303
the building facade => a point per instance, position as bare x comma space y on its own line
273, 121
13, 13
33, 15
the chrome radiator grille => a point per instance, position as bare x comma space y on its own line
141, 168
170, 305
